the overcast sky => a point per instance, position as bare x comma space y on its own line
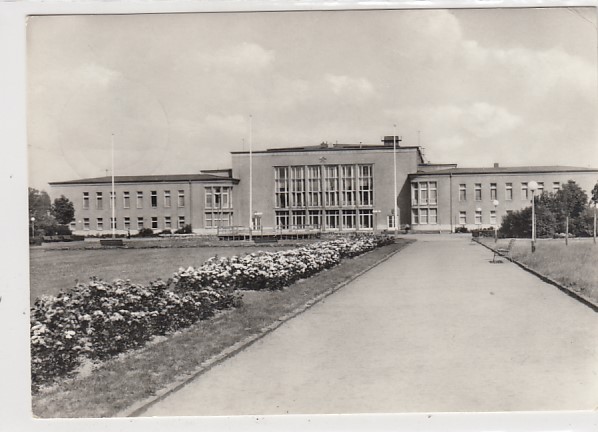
516, 87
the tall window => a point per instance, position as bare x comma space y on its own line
423, 216
139, 199
112, 199
366, 185
314, 218
314, 186
332, 186
348, 185
99, 203
167, 200
433, 213
414, 217
167, 222
113, 223
462, 217
349, 219
462, 192
556, 186
478, 217
85, 200
181, 222
478, 191
297, 186
282, 219
86, 224
509, 191
154, 198
423, 193
181, 199
493, 217
524, 191
540, 188
493, 194
298, 219
414, 194
154, 222
127, 222
332, 219
140, 222
281, 187
100, 224
126, 200
366, 219
390, 221
433, 193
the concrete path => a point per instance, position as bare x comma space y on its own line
435, 328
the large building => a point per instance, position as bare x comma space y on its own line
327, 187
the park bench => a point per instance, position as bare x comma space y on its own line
505, 251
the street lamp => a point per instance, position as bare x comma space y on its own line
32, 226
495, 202
533, 186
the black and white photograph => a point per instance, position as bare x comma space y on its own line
312, 212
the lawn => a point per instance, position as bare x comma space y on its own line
574, 266
118, 383
52, 270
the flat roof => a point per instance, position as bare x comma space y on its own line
507, 170
169, 178
330, 147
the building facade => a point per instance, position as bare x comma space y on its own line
327, 187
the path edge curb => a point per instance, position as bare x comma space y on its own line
140, 407
587, 302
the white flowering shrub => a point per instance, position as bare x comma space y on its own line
99, 320
272, 270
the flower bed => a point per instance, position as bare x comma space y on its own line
99, 320
272, 270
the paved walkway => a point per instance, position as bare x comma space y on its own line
435, 328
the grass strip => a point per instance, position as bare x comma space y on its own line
121, 382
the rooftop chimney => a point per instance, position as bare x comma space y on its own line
495, 164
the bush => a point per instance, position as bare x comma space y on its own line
187, 229
461, 230
145, 232
99, 320
165, 232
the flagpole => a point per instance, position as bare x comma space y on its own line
394, 154
250, 176
112, 197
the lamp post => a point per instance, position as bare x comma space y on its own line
533, 186
32, 227
495, 202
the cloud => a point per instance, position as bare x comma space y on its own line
342, 84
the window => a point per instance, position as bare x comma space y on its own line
139, 199
524, 191
167, 222
540, 188
493, 217
85, 200
181, 200
433, 193
154, 199
332, 219
99, 203
314, 186
462, 192
390, 221
348, 191
298, 219
100, 224
366, 219
112, 199
556, 186
282, 219
314, 218
181, 222
167, 202
423, 216
509, 191
478, 191
209, 198
331, 184
140, 222
414, 194
281, 188
366, 185
414, 217
86, 224
349, 219
423, 193
154, 222
126, 200
478, 217
226, 195
297, 187
433, 214
113, 223
493, 194
127, 223
462, 218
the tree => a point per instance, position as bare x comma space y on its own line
39, 208
595, 193
63, 210
572, 199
